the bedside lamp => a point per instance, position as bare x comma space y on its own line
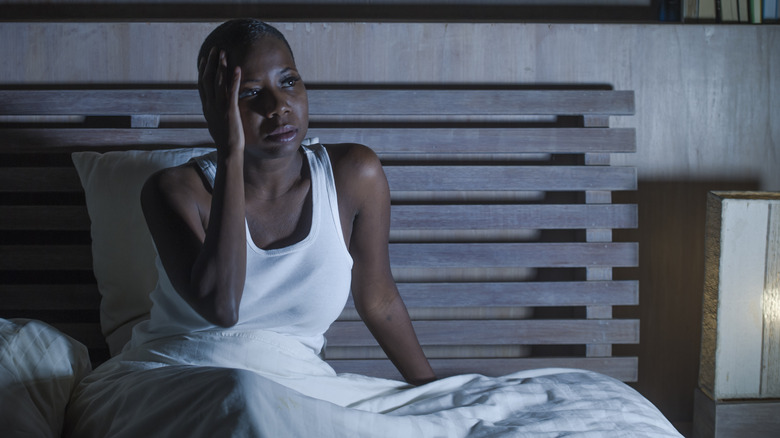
739, 373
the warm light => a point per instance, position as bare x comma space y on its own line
772, 306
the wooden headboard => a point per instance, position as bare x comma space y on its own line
502, 217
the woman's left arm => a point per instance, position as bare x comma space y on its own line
373, 289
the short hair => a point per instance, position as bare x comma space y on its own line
234, 36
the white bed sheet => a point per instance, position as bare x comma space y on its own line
39, 367
267, 385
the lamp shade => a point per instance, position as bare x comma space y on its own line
740, 351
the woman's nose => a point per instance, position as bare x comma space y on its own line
271, 103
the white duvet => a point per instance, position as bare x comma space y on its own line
263, 384
39, 367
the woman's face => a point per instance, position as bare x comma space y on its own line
272, 99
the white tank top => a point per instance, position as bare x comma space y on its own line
298, 290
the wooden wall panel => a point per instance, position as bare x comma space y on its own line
707, 105
704, 92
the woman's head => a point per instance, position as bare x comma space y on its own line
236, 36
272, 100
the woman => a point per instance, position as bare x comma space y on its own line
256, 107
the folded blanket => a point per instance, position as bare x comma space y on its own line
265, 384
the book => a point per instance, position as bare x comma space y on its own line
743, 11
690, 10
669, 10
770, 10
755, 11
707, 11
729, 11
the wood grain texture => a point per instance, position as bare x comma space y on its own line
403, 217
513, 216
500, 178
383, 141
524, 332
770, 355
712, 242
513, 255
734, 418
407, 178
623, 368
432, 256
537, 294
507, 102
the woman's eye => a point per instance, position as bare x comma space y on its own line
290, 81
248, 93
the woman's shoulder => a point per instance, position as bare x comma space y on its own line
177, 184
353, 161
358, 175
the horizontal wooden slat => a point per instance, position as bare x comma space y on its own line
405, 178
99, 102
535, 294
39, 179
508, 178
531, 255
471, 140
469, 102
45, 257
497, 332
621, 368
442, 217
435, 352
37, 139
49, 297
404, 217
331, 102
402, 255
383, 140
44, 217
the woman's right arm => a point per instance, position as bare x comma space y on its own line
201, 238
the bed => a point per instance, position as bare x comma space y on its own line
501, 244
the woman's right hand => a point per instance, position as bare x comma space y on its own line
219, 96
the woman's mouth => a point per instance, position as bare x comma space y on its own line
282, 134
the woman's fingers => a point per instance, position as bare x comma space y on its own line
201, 67
236, 128
208, 71
209, 67
220, 84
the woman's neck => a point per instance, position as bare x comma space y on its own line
271, 178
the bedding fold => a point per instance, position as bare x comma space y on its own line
263, 384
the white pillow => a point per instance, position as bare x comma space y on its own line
39, 368
122, 249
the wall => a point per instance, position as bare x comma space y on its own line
707, 102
